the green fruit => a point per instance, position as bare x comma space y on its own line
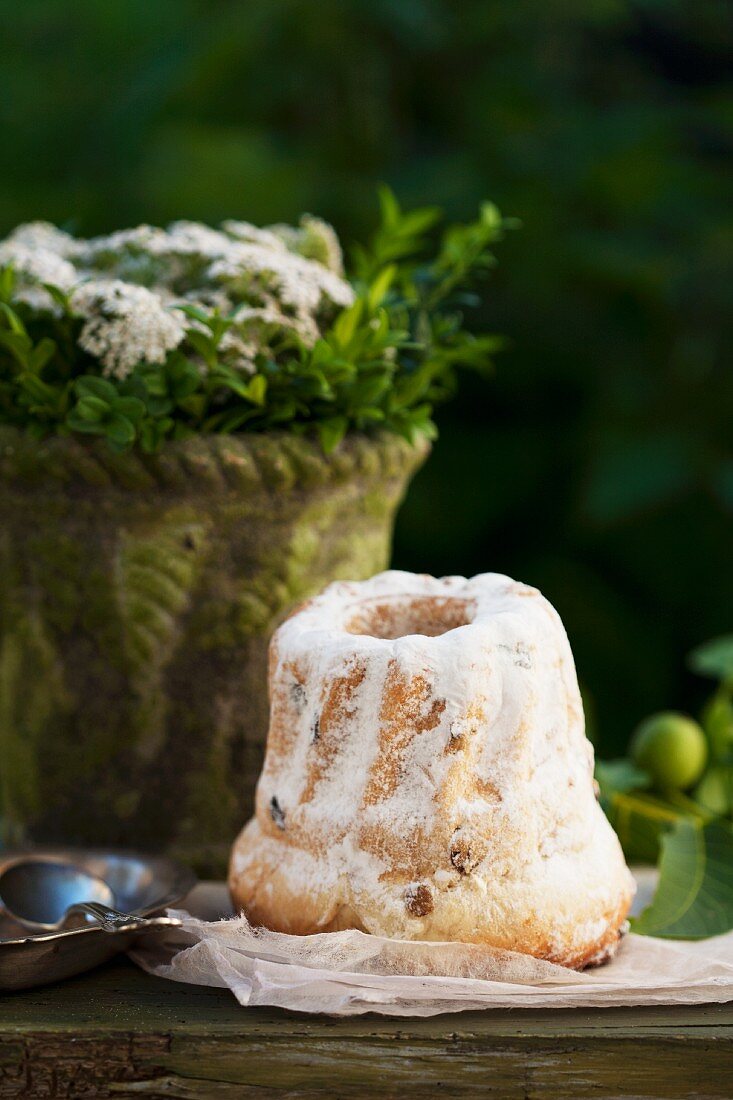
714, 792
717, 720
672, 749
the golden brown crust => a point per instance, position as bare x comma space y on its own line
268, 896
386, 619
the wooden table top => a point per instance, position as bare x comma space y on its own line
118, 1032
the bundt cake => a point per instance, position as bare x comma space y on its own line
427, 775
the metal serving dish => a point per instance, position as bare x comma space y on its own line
144, 885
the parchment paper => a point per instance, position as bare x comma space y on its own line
346, 973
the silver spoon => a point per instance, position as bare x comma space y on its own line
42, 893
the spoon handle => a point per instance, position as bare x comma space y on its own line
112, 920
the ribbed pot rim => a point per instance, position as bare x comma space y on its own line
267, 460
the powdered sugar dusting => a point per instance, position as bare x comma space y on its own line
448, 792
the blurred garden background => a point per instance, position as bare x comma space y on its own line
597, 464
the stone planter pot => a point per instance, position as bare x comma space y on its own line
137, 596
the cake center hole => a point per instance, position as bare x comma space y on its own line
400, 616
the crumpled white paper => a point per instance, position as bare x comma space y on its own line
346, 973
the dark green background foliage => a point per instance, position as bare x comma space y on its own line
598, 463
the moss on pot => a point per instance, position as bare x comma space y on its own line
137, 595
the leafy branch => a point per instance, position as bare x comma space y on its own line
383, 362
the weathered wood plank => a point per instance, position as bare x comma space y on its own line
119, 1033
121, 997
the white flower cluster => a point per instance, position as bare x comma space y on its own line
279, 277
314, 239
43, 235
125, 325
34, 266
275, 283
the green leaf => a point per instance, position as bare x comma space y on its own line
640, 820
257, 389
422, 423
79, 424
7, 282
154, 432
717, 721
32, 385
380, 285
204, 345
331, 432
41, 354
155, 381
714, 792
418, 221
411, 387
195, 405
60, 297
231, 379
362, 395
130, 407
92, 408
489, 217
194, 312
158, 406
120, 430
620, 776
694, 898
347, 322
89, 386
714, 658
230, 422
14, 322
184, 377
389, 206
18, 345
